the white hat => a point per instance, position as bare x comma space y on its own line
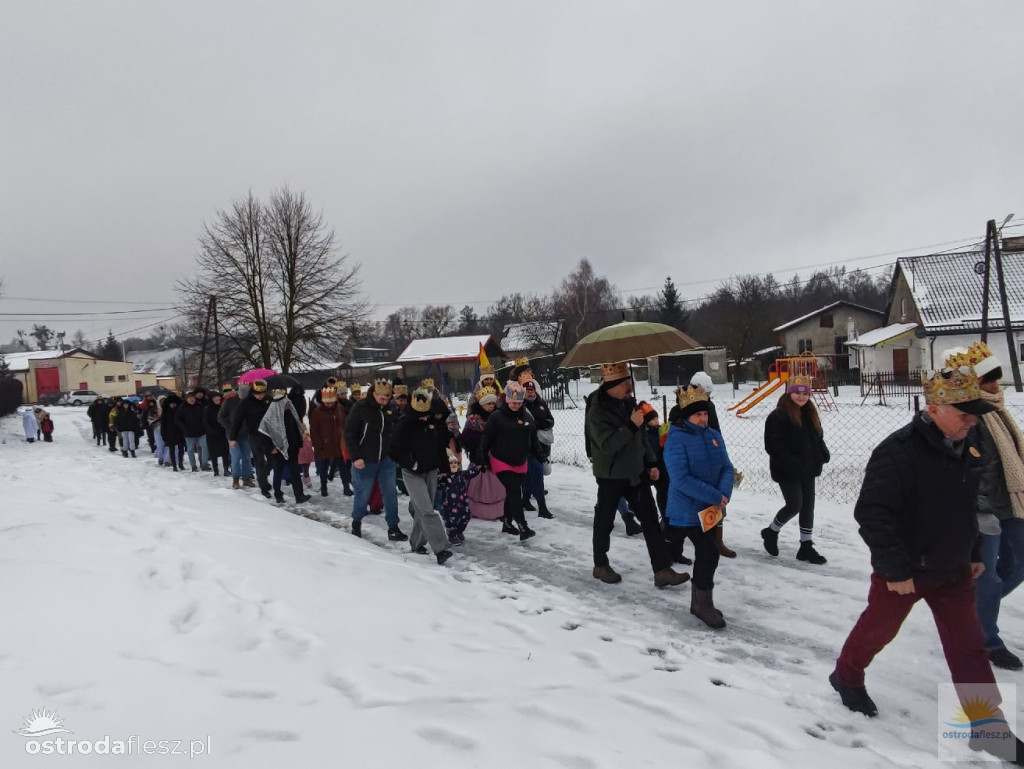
702, 379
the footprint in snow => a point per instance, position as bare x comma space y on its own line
273, 735
441, 736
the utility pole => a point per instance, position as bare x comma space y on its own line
993, 234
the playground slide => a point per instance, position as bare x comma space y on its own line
756, 397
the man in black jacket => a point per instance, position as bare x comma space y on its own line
368, 440
917, 513
249, 414
191, 420
623, 465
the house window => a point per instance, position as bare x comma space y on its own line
806, 345
122, 377
825, 321
108, 379
903, 309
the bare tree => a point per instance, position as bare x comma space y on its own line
284, 295
586, 300
438, 320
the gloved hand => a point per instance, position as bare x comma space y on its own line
547, 468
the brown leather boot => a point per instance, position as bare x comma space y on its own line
702, 606
607, 575
669, 577
723, 551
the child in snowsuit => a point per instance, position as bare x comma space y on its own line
47, 428
454, 491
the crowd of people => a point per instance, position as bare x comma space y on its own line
941, 507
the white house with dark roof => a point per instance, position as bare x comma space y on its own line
451, 361
935, 303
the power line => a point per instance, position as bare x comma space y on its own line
78, 301
52, 315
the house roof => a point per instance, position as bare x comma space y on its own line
948, 291
884, 334
19, 361
826, 308
444, 348
767, 350
159, 361
523, 337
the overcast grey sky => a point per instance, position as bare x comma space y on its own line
462, 150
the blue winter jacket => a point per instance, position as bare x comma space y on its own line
699, 472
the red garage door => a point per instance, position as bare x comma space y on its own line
47, 381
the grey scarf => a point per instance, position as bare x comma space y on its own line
273, 423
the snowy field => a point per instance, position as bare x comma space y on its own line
168, 607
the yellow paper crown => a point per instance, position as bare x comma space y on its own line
486, 370
693, 394
975, 354
400, 389
328, 394
522, 360
340, 385
800, 380
484, 392
357, 388
427, 383
421, 398
947, 388
612, 371
382, 387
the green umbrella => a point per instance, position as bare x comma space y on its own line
628, 340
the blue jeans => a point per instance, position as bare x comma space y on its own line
241, 459
1003, 556
384, 473
190, 447
533, 481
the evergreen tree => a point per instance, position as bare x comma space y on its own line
110, 349
670, 308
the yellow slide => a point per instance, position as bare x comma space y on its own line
756, 397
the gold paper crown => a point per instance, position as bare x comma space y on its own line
947, 388
400, 389
421, 398
329, 394
382, 387
975, 354
487, 370
341, 384
693, 394
357, 388
484, 391
279, 391
612, 371
799, 380
427, 384
522, 360
259, 386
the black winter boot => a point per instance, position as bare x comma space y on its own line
854, 697
323, 486
809, 554
357, 528
771, 541
542, 505
507, 527
633, 526
396, 535
702, 606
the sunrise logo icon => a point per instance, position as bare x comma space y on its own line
41, 723
975, 712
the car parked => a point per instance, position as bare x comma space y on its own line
50, 399
78, 398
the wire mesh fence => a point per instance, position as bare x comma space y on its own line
851, 432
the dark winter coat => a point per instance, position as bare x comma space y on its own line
169, 429
127, 418
216, 436
918, 504
98, 413
191, 419
297, 396
795, 451
618, 447
699, 471
510, 436
993, 496
542, 418
248, 414
292, 430
368, 430
228, 407
327, 430
418, 443
473, 432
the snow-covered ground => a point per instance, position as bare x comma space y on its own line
166, 606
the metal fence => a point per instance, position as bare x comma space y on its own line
851, 433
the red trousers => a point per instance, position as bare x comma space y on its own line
956, 617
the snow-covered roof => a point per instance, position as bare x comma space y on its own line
884, 334
523, 337
948, 290
159, 361
827, 308
18, 361
302, 368
767, 350
443, 348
